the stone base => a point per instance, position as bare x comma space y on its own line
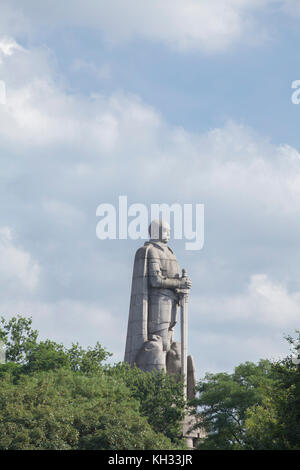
192, 437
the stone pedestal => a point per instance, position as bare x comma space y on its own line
192, 438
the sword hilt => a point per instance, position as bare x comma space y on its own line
184, 292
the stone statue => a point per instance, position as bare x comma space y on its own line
156, 292
155, 296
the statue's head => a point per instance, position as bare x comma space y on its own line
160, 230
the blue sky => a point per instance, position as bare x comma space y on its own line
164, 101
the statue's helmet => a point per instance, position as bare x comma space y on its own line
159, 230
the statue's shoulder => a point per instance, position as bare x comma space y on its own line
157, 248
149, 249
141, 253
140, 261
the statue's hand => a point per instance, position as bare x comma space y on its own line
185, 283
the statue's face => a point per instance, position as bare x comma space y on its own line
160, 231
165, 232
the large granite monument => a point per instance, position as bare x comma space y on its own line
158, 289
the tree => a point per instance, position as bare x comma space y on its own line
52, 397
62, 409
160, 396
24, 349
275, 422
224, 400
256, 407
18, 337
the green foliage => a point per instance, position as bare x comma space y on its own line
275, 423
18, 337
160, 396
87, 361
52, 397
256, 407
65, 410
34, 415
48, 355
22, 347
224, 399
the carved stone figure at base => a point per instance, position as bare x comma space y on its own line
174, 359
151, 355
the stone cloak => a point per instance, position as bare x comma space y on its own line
137, 330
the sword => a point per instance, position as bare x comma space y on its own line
184, 294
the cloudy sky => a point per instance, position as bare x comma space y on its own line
164, 101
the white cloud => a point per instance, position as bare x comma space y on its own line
40, 112
8, 46
264, 302
233, 159
224, 351
206, 25
191, 25
17, 267
243, 326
